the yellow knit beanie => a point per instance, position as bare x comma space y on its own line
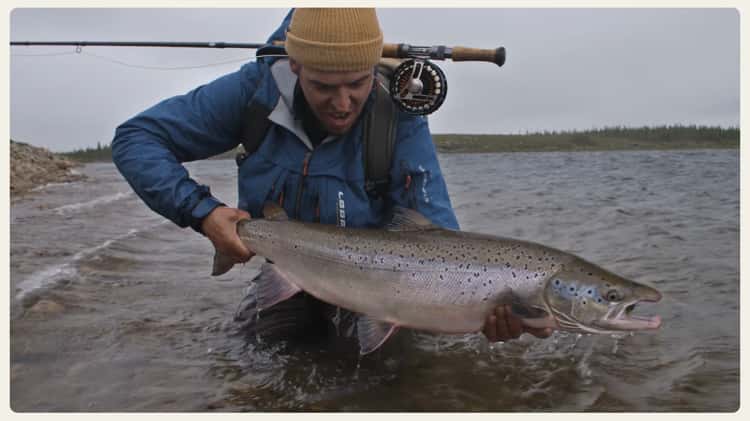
335, 39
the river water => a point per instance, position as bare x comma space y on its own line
113, 309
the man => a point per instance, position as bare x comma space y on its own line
310, 159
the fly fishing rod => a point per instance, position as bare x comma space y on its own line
418, 86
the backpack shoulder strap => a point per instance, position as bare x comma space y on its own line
379, 133
255, 124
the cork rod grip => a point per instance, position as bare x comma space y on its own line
390, 50
496, 56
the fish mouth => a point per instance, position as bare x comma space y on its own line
621, 318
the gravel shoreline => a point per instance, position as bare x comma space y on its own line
32, 167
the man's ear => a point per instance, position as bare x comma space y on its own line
295, 66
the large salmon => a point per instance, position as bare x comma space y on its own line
417, 275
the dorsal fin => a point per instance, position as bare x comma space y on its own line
274, 212
404, 219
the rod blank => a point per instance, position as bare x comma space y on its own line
438, 52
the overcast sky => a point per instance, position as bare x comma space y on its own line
566, 68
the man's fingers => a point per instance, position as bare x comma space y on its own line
503, 333
490, 328
514, 323
542, 332
241, 214
239, 251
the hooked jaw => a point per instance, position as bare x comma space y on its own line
620, 317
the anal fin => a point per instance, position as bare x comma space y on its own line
273, 287
373, 333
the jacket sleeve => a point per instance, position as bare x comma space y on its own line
416, 179
149, 149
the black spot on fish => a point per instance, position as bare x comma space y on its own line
590, 273
514, 274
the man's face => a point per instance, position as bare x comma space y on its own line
336, 98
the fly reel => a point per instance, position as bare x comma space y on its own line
418, 86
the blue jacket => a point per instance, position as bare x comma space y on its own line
149, 148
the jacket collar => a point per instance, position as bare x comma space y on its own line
283, 113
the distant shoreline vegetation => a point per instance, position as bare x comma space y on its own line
606, 139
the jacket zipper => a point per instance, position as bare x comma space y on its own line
300, 187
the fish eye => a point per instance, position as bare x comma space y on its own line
613, 295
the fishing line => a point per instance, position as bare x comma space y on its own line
146, 67
43, 55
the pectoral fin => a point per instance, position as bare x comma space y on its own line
373, 333
273, 287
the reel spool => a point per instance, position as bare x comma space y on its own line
418, 86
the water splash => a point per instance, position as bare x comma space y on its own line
336, 319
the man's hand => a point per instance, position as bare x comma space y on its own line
220, 226
503, 325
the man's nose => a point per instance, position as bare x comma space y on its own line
342, 100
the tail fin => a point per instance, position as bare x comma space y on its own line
222, 264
